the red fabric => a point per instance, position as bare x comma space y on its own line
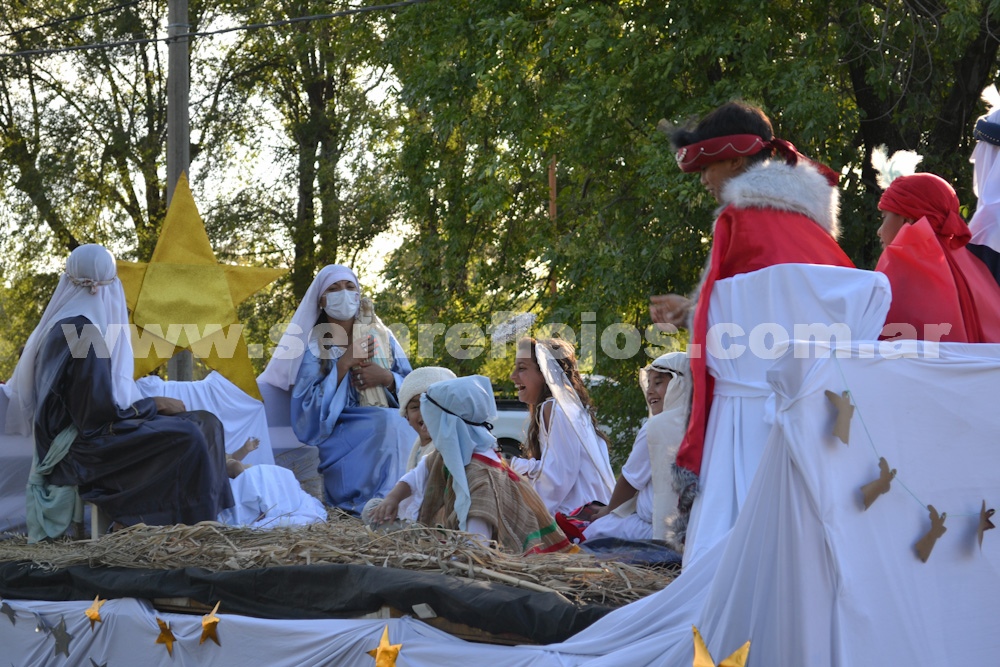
934, 278
697, 156
745, 240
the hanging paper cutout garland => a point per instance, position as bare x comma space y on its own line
385, 653
702, 658
872, 490
984, 523
61, 637
210, 626
166, 636
926, 543
94, 612
845, 411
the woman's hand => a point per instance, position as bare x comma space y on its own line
669, 311
367, 375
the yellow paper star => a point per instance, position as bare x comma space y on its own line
166, 636
183, 298
702, 658
94, 612
385, 654
210, 626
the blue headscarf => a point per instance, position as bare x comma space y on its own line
458, 414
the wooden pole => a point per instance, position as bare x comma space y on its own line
181, 365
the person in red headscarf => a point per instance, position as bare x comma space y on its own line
940, 290
776, 207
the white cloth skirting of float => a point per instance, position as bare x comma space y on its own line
807, 575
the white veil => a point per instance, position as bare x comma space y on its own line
89, 287
564, 394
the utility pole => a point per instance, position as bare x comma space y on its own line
181, 365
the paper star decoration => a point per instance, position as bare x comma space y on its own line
985, 523
93, 612
9, 612
385, 654
210, 626
183, 298
62, 638
845, 411
166, 636
702, 658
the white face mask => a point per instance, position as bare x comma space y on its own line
342, 305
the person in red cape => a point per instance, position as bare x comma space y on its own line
776, 207
940, 290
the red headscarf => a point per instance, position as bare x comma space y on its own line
922, 291
928, 196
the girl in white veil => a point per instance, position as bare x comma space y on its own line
566, 455
643, 496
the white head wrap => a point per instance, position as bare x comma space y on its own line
564, 393
283, 367
418, 381
985, 223
457, 413
677, 365
89, 287
664, 433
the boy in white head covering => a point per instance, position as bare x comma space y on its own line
332, 368
467, 486
643, 496
73, 389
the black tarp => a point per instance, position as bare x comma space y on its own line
316, 591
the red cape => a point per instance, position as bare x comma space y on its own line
933, 284
746, 239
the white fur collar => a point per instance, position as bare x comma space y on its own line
799, 188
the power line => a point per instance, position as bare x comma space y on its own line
70, 19
221, 31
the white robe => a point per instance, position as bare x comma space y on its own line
760, 311
564, 477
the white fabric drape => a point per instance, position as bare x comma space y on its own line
758, 313
242, 416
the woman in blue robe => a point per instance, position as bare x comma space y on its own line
343, 368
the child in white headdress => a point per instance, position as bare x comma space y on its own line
643, 496
566, 454
466, 485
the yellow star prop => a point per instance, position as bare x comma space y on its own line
166, 636
385, 654
183, 298
210, 626
702, 658
94, 612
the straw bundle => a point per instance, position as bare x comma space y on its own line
342, 539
